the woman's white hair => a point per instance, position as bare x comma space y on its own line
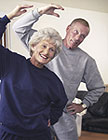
46, 34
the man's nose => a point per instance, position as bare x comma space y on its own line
77, 37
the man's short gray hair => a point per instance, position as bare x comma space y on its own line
46, 34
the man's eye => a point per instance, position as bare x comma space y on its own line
82, 36
75, 32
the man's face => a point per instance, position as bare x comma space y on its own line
44, 52
75, 34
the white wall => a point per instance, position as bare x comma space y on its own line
96, 44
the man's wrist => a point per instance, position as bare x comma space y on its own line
35, 13
40, 11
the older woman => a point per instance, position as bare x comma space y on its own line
32, 96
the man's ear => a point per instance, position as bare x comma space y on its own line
68, 28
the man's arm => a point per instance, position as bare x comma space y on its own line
93, 81
94, 84
23, 26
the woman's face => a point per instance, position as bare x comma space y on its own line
43, 52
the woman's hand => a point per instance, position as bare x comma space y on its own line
19, 10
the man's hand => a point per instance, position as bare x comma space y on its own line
50, 9
19, 10
74, 108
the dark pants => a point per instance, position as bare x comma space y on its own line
7, 136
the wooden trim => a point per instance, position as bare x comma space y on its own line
106, 87
3, 40
0, 41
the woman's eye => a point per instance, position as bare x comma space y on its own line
51, 49
44, 46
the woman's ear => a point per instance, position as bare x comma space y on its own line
33, 47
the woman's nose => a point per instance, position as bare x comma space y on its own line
46, 51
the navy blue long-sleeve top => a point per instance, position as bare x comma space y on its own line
3, 22
30, 96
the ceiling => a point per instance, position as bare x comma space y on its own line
94, 5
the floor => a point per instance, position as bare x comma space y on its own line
93, 136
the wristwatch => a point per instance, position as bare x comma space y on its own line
84, 105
